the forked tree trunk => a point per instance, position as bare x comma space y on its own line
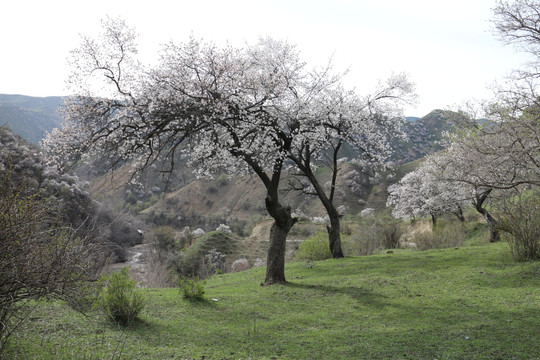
283, 222
494, 234
459, 214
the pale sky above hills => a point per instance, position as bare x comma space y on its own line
446, 47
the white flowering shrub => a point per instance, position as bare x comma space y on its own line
225, 228
198, 232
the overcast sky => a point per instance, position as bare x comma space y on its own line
446, 47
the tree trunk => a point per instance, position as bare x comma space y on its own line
494, 234
275, 262
434, 220
283, 222
459, 214
334, 237
303, 161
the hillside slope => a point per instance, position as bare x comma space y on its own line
207, 203
30, 117
469, 303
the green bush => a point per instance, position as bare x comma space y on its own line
193, 261
120, 300
193, 289
165, 237
315, 247
222, 180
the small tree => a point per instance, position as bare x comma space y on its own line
423, 193
338, 117
119, 299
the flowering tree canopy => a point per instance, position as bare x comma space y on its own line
423, 193
239, 110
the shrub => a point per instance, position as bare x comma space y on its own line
119, 300
165, 237
212, 263
207, 256
443, 236
364, 242
42, 255
193, 289
222, 180
390, 234
315, 247
520, 220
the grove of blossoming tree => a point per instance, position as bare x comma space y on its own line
239, 110
493, 157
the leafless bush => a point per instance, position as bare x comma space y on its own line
159, 274
39, 256
365, 242
212, 263
519, 219
390, 234
444, 236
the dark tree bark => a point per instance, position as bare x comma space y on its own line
303, 161
459, 214
283, 222
334, 229
433, 220
479, 200
334, 237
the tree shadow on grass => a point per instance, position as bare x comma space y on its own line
135, 325
362, 295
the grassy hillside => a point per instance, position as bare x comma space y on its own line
467, 303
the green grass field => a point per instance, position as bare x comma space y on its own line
466, 303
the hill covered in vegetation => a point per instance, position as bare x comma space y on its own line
28, 116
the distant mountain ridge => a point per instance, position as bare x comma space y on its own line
424, 135
28, 116
32, 117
